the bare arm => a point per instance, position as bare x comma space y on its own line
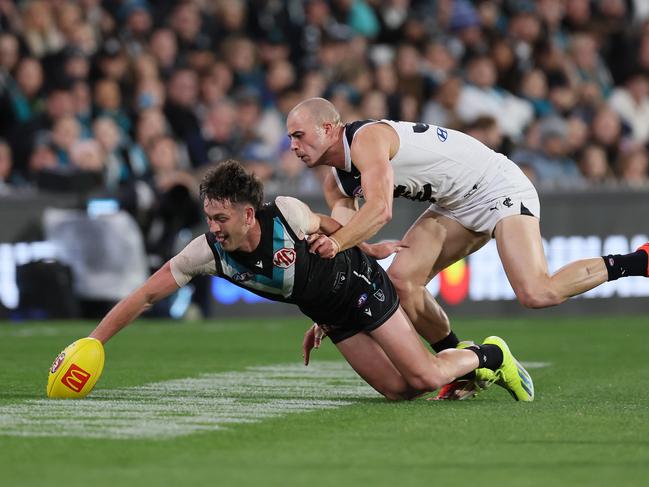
371, 156
343, 208
158, 286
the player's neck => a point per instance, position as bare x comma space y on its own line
253, 238
335, 155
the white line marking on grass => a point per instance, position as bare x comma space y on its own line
536, 365
184, 406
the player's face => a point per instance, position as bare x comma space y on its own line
308, 140
229, 222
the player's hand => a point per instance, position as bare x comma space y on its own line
312, 339
383, 249
323, 246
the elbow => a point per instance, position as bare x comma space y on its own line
385, 215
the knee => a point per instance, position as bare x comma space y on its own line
401, 280
537, 297
401, 393
426, 381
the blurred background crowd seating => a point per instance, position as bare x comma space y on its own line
130, 101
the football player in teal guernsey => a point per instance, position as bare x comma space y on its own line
475, 193
265, 248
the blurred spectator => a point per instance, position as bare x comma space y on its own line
632, 168
182, 95
631, 102
481, 97
117, 166
442, 109
588, 68
8, 179
534, 88
108, 103
65, 133
218, 138
176, 206
21, 99
187, 24
40, 31
164, 48
549, 161
88, 156
487, 131
136, 21
374, 105
606, 130
9, 56
594, 166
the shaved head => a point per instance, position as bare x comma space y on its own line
319, 110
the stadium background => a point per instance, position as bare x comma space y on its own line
112, 111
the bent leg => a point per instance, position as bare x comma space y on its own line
371, 363
422, 370
433, 243
518, 239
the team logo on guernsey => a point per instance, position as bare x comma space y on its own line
75, 378
442, 134
284, 258
379, 295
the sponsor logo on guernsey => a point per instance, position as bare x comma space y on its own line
75, 378
358, 192
361, 300
242, 276
57, 362
442, 134
284, 258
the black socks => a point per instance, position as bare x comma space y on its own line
450, 341
633, 264
489, 356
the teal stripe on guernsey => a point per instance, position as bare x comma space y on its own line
279, 241
282, 280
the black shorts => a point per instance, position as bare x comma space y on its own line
364, 303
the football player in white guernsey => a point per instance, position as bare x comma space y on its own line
361, 312
476, 194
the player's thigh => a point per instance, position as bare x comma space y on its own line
459, 243
423, 243
401, 343
520, 247
370, 362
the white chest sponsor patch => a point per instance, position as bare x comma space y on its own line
184, 406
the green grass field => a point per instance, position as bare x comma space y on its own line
229, 404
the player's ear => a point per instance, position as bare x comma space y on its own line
250, 215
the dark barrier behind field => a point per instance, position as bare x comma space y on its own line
574, 225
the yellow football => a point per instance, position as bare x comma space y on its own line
76, 369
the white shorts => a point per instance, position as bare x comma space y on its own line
504, 192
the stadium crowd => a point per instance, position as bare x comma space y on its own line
136, 99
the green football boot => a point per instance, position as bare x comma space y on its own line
461, 389
511, 374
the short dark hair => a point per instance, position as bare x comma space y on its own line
230, 181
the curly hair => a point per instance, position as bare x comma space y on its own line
230, 181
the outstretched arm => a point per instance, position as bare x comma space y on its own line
158, 286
